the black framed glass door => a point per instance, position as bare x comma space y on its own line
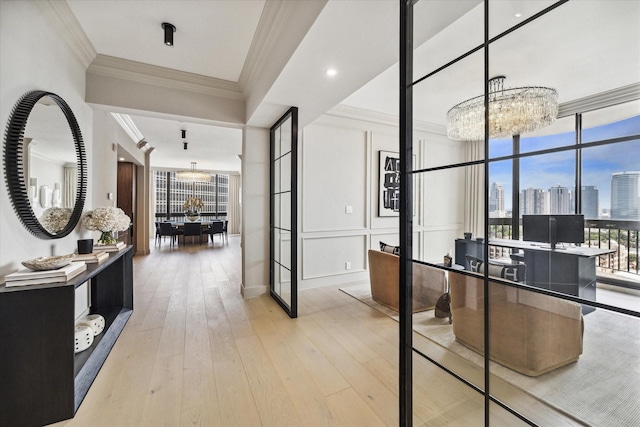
283, 212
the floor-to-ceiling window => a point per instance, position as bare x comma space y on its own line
545, 316
171, 195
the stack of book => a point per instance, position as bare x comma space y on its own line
30, 277
115, 247
94, 257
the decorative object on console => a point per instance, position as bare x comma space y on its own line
512, 111
94, 257
113, 247
106, 219
39, 277
48, 262
83, 335
94, 321
85, 246
467, 236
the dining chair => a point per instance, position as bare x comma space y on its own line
167, 229
216, 227
192, 229
158, 235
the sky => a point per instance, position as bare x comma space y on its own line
546, 171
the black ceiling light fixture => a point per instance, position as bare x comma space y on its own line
184, 135
168, 33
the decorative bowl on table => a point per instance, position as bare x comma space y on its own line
48, 262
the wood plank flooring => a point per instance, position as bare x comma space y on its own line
195, 353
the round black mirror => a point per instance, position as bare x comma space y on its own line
59, 220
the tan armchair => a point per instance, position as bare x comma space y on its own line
529, 332
384, 269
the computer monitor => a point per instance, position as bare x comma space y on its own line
536, 228
569, 228
553, 229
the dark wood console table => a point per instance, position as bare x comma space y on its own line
41, 379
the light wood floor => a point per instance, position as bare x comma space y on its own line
194, 353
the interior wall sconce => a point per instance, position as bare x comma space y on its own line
57, 196
168, 33
33, 189
184, 135
142, 143
45, 196
184, 145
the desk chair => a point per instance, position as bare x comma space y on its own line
192, 229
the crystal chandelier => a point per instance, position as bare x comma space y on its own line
511, 112
193, 175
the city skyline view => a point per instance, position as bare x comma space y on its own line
599, 164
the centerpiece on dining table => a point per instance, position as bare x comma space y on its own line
192, 208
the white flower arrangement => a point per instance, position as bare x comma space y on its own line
106, 219
54, 220
193, 206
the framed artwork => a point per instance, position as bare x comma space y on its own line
389, 183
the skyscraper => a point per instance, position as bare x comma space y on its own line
560, 200
625, 199
496, 200
590, 202
534, 201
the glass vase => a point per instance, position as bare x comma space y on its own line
106, 238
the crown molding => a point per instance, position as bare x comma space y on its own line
63, 19
600, 100
110, 66
355, 113
271, 25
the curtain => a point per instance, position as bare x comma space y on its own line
69, 186
474, 189
233, 208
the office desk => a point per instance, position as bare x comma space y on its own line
571, 271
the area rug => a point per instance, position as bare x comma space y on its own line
601, 389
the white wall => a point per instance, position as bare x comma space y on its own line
255, 211
33, 56
339, 173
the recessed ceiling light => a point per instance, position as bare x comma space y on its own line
121, 159
331, 72
518, 15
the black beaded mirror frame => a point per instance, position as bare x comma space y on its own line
14, 155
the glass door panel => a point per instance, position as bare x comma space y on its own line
283, 212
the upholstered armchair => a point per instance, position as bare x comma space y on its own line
529, 332
384, 269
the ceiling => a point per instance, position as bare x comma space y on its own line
569, 49
212, 38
